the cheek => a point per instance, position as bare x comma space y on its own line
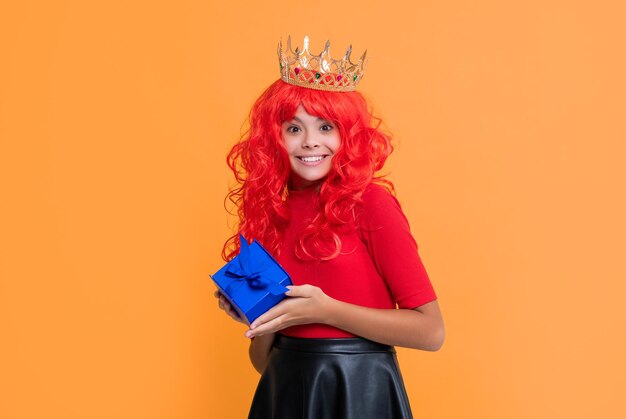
287, 144
289, 139
336, 143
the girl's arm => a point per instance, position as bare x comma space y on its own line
259, 351
420, 328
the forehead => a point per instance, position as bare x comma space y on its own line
302, 115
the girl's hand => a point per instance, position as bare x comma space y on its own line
226, 306
308, 304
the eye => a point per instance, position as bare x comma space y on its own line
326, 127
293, 129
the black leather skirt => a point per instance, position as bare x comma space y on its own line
345, 378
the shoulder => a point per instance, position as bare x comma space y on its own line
377, 197
374, 189
377, 206
380, 217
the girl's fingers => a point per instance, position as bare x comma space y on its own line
273, 313
226, 306
234, 315
271, 326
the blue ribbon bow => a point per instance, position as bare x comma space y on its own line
243, 270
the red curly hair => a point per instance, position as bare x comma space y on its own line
261, 167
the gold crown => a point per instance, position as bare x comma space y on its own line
320, 72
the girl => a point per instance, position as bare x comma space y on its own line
308, 193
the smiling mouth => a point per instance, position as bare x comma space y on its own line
312, 159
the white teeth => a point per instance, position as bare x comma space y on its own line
312, 159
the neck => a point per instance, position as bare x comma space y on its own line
298, 186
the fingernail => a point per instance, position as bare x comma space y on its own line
248, 334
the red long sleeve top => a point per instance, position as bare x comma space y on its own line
379, 265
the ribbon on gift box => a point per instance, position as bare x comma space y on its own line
243, 271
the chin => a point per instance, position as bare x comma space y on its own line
311, 177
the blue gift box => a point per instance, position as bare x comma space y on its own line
253, 282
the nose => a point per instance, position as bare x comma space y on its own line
310, 141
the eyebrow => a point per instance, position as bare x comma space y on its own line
295, 118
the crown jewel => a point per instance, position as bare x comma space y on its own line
320, 72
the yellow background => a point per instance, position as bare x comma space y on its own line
115, 119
